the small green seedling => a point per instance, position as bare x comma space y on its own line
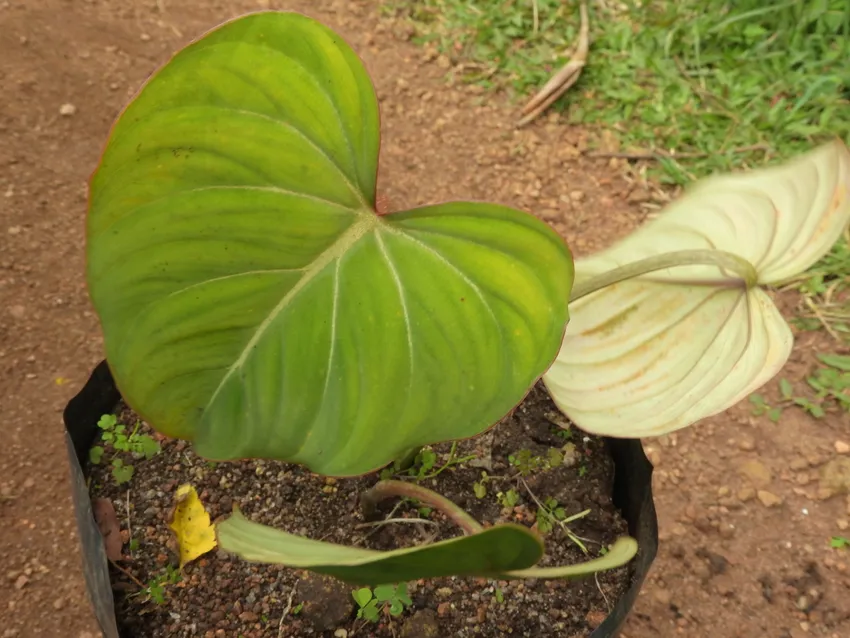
832, 382
527, 463
115, 434
761, 406
155, 591
425, 462
297, 609
566, 434
549, 515
839, 542
390, 599
509, 499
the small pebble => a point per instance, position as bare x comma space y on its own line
768, 499
746, 494
842, 447
67, 109
747, 445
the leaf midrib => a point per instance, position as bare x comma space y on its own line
366, 220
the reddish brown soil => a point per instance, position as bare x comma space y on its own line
729, 566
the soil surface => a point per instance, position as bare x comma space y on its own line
745, 523
223, 595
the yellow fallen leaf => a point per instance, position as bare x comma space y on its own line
61, 380
190, 523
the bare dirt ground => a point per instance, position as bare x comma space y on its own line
745, 538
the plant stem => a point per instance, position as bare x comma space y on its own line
389, 489
721, 259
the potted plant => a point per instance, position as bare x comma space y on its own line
255, 303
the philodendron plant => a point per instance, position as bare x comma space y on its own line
255, 303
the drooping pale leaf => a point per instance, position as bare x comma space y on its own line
191, 525
620, 553
503, 551
651, 355
253, 301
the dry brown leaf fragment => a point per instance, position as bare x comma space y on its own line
110, 528
563, 79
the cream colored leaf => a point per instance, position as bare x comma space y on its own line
190, 523
651, 355
646, 358
780, 219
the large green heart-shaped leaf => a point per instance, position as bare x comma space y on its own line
254, 302
656, 353
503, 551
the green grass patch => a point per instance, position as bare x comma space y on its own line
725, 85
693, 76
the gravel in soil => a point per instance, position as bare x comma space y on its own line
221, 595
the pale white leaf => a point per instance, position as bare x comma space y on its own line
780, 219
658, 353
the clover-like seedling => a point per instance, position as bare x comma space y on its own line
392, 599
115, 434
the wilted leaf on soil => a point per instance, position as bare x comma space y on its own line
190, 523
110, 528
659, 352
503, 551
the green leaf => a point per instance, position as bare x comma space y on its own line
120, 472
620, 553
254, 302
107, 422
503, 551
157, 592
492, 552
786, 388
96, 454
362, 596
401, 594
656, 353
837, 361
479, 489
774, 414
839, 542
426, 459
147, 446
369, 611
384, 593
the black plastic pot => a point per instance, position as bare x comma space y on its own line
632, 495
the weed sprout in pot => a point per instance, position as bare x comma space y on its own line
292, 379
